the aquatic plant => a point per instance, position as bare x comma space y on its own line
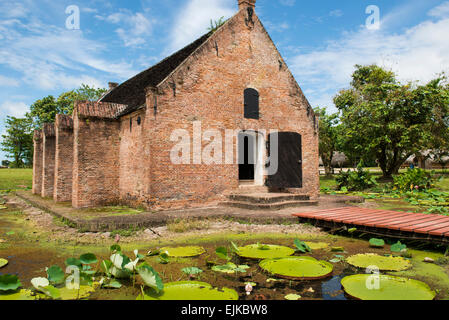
302, 246
55, 274
9, 282
230, 268
376, 243
398, 247
3, 262
194, 290
150, 277
183, 252
385, 263
385, 287
253, 251
192, 271
297, 268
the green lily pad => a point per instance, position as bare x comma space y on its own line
9, 282
65, 293
376, 243
230, 268
88, 258
75, 294
337, 249
190, 251
191, 270
254, 251
317, 245
293, 297
398, 247
190, 290
382, 262
365, 287
297, 268
18, 295
55, 274
3, 262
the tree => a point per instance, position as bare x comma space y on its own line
329, 135
45, 110
390, 121
6, 163
18, 141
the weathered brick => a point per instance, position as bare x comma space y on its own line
63, 158
95, 160
48, 162
122, 155
37, 162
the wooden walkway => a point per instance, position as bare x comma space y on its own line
419, 226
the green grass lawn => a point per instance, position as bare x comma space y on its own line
13, 179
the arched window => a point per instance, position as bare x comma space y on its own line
251, 104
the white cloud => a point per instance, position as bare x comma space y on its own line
15, 109
49, 57
89, 10
194, 18
8, 82
336, 13
418, 53
277, 27
135, 28
440, 11
10, 9
289, 3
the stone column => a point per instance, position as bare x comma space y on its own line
48, 163
63, 158
37, 162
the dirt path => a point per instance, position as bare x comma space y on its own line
55, 230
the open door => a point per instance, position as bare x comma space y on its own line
289, 173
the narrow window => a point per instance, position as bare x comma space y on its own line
251, 104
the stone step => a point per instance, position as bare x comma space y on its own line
250, 189
267, 197
268, 206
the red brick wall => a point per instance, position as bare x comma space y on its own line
63, 158
134, 187
48, 162
209, 88
37, 162
95, 160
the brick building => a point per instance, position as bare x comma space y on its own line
120, 149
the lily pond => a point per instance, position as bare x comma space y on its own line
226, 266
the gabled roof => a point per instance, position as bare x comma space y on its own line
132, 91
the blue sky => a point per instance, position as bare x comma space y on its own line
320, 40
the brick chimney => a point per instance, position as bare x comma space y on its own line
112, 85
243, 4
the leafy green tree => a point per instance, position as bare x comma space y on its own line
45, 110
18, 141
329, 136
382, 118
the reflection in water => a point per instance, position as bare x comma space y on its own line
332, 290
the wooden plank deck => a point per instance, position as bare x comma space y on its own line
419, 226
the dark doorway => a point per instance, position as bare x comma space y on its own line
247, 145
251, 104
289, 173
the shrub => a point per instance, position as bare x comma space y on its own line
358, 180
413, 179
